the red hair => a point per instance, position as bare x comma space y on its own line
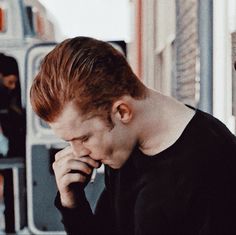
85, 70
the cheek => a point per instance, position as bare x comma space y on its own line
108, 145
94, 144
100, 146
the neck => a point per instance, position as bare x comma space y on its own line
160, 122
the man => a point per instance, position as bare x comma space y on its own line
169, 168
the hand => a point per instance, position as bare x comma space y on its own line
70, 171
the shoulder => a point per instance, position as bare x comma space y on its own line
210, 131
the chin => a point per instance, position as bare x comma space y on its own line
114, 166
108, 164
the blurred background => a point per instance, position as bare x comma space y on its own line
183, 48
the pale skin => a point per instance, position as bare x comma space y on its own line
154, 123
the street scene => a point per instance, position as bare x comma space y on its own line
183, 49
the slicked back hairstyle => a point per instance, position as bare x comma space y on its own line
87, 71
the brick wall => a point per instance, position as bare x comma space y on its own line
187, 53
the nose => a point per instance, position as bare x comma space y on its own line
79, 149
12, 86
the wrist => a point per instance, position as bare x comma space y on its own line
68, 203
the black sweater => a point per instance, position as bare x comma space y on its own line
189, 188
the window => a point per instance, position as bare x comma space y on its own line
36, 20
39, 24
30, 15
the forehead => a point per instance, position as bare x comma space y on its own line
10, 77
69, 119
72, 123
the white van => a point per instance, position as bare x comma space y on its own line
27, 35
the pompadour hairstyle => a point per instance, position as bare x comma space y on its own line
87, 71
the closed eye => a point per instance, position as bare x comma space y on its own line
85, 139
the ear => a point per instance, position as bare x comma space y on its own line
122, 110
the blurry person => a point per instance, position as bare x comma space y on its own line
169, 168
12, 116
12, 134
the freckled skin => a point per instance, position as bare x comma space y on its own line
92, 142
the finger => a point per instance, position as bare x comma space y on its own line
90, 161
62, 160
74, 165
64, 152
72, 178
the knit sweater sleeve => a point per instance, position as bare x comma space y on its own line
82, 221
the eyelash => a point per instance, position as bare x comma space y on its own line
85, 139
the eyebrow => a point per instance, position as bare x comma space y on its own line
75, 138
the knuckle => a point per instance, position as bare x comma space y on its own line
54, 166
89, 170
63, 185
64, 182
57, 155
78, 177
85, 168
82, 178
66, 169
63, 153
